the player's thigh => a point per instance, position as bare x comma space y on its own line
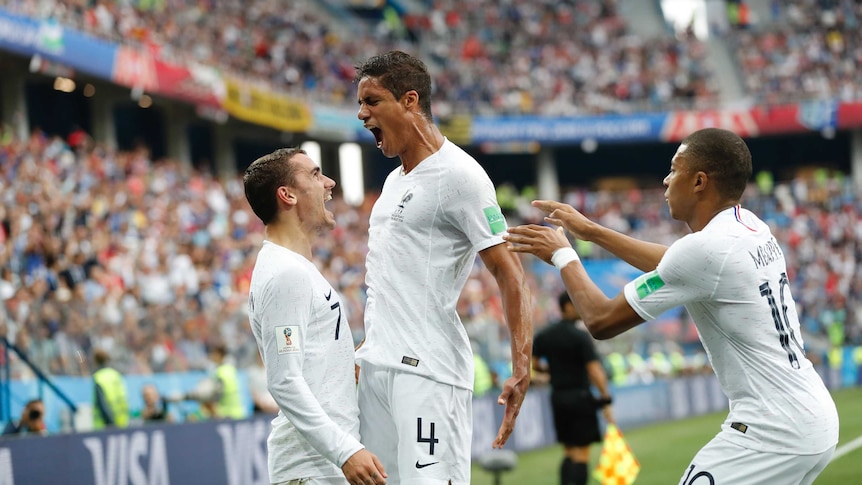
376, 423
721, 462
435, 425
339, 480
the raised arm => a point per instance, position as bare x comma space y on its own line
640, 254
604, 317
507, 270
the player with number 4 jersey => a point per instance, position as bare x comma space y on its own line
731, 276
436, 212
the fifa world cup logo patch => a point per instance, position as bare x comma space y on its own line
288, 339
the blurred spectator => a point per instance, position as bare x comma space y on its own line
219, 394
155, 408
32, 420
110, 402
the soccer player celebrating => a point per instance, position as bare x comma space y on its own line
731, 275
435, 213
303, 337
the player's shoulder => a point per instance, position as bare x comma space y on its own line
457, 162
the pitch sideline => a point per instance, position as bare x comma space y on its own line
846, 448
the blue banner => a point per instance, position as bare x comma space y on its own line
643, 127
52, 41
213, 452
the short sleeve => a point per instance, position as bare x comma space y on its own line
687, 273
470, 201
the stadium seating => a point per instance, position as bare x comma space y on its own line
152, 259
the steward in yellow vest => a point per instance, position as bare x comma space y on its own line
229, 402
110, 404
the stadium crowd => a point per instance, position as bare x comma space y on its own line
151, 260
487, 56
812, 49
491, 57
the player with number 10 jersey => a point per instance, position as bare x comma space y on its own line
732, 278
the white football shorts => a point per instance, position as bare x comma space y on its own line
721, 462
420, 429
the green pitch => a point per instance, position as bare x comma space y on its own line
665, 449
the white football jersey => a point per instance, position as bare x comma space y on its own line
425, 231
307, 350
732, 278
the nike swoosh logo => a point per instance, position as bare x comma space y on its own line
328, 295
423, 465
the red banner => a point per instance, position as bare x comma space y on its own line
195, 84
762, 120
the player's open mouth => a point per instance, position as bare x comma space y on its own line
378, 136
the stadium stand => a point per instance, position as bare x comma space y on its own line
146, 250
489, 57
809, 49
152, 259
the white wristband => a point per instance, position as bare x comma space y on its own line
564, 256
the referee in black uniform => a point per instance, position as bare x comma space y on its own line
564, 351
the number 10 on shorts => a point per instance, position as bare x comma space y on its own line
421, 439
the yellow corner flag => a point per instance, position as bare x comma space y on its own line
617, 465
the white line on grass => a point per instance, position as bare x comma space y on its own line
846, 448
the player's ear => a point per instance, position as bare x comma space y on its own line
286, 195
700, 180
410, 100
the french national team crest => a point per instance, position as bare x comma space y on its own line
288, 339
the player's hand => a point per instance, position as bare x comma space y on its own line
363, 468
356, 370
540, 241
566, 216
514, 390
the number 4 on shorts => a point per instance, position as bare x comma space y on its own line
430, 439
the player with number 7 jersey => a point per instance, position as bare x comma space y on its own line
303, 337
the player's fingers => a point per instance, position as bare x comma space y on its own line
504, 396
554, 220
504, 433
377, 479
547, 205
379, 467
525, 230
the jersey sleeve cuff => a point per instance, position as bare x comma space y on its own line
351, 446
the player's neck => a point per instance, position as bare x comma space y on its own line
707, 213
427, 140
291, 237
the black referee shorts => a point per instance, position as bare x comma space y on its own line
575, 417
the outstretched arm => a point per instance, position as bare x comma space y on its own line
604, 317
507, 270
640, 254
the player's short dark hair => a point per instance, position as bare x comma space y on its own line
399, 72
564, 299
263, 178
724, 156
